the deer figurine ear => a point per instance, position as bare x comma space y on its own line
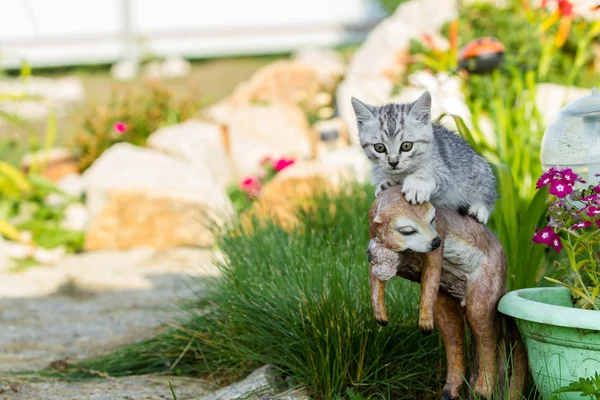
363, 112
421, 109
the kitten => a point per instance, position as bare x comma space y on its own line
429, 161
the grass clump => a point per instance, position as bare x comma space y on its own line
299, 301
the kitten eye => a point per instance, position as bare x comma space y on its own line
379, 147
432, 221
407, 232
406, 146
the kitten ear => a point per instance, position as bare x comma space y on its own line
362, 111
421, 108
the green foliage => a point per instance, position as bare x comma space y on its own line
513, 148
141, 109
23, 204
528, 45
588, 387
299, 301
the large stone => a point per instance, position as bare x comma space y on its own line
283, 81
200, 143
386, 45
141, 197
296, 186
551, 97
258, 382
328, 63
275, 130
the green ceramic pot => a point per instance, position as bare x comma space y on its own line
563, 342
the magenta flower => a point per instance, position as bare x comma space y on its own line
556, 244
120, 127
581, 225
251, 186
283, 163
570, 177
560, 188
545, 179
544, 236
592, 211
565, 175
597, 189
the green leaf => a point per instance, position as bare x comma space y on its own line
9, 231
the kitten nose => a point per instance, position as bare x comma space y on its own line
435, 243
393, 164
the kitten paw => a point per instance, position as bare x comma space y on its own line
417, 191
480, 212
381, 187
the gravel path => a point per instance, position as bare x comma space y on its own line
91, 304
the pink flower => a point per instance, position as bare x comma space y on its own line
570, 177
556, 244
546, 177
560, 188
592, 211
251, 185
597, 189
283, 163
566, 175
582, 224
544, 180
548, 237
120, 127
544, 236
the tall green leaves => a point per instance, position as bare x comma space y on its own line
512, 145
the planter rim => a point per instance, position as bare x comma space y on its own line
515, 304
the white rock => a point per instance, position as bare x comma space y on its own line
71, 184
18, 251
392, 36
256, 383
349, 162
141, 197
76, 217
258, 131
327, 62
551, 97
175, 67
48, 256
199, 143
124, 70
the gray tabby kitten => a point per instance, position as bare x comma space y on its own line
429, 161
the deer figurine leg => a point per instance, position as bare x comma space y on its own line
449, 321
481, 316
430, 285
378, 299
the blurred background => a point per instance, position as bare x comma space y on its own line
128, 127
